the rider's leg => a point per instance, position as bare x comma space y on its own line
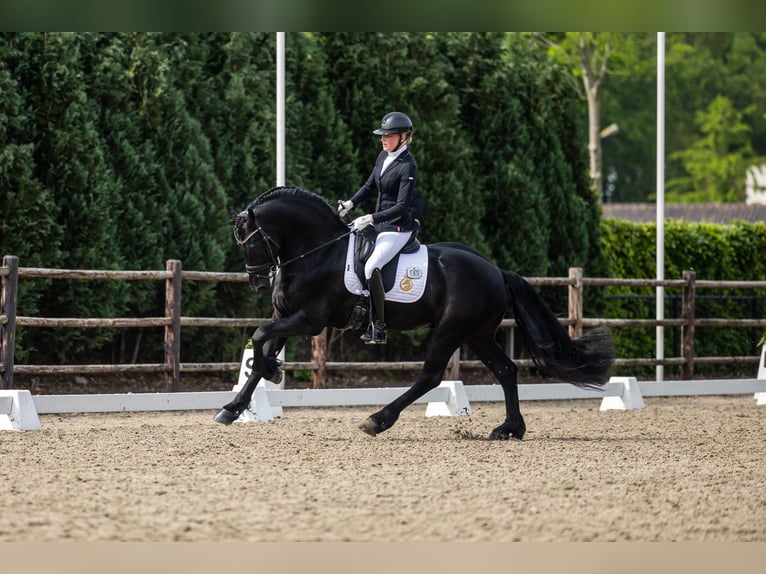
376, 331
387, 245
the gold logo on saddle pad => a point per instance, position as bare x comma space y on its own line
406, 283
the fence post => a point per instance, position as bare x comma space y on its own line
575, 302
8, 309
687, 331
173, 328
453, 366
319, 354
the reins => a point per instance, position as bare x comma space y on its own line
275, 266
315, 249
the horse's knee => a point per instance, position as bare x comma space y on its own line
271, 367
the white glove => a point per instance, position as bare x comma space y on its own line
361, 222
344, 207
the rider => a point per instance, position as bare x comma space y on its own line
394, 177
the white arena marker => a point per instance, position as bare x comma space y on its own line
760, 398
17, 411
456, 405
630, 399
259, 408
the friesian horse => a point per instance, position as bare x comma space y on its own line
295, 242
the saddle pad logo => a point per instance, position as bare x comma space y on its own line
415, 273
406, 284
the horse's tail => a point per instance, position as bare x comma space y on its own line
583, 362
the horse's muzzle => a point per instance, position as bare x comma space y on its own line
259, 282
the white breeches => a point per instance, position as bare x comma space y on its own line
387, 245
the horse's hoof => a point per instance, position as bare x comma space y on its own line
225, 417
499, 434
370, 427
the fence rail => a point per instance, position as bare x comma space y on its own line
172, 322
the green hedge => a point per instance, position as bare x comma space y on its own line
715, 252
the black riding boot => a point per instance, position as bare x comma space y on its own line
376, 332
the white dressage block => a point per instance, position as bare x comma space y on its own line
449, 399
269, 398
760, 398
17, 411
629, 399
259, 408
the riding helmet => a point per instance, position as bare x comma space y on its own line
394, 123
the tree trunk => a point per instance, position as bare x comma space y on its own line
592, 82
594, 140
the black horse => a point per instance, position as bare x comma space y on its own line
294, 240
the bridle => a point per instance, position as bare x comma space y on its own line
275, 265
257, 270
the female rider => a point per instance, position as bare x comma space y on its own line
395, 178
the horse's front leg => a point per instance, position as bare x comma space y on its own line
273, 336
271, 363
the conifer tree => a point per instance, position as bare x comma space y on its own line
517, 222
69, 159
28, 227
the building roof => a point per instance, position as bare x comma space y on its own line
689, 212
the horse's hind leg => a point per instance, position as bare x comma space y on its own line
429, 378
505, 372
440, 349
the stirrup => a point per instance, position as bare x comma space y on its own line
375, 334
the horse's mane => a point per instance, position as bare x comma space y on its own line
293, 193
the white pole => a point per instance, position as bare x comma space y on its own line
281, 137
280, 108
660, 298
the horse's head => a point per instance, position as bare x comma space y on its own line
260, 249
280, 226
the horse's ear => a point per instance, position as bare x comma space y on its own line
233, 214
251, 217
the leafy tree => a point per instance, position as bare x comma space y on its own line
717, 163
699, 67
591, 56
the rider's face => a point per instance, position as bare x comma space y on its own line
390, 142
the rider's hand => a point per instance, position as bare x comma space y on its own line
344, 207
361, 222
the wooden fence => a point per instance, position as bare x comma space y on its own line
173, 320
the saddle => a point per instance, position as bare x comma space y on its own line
365, 242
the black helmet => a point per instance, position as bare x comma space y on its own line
394, 123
